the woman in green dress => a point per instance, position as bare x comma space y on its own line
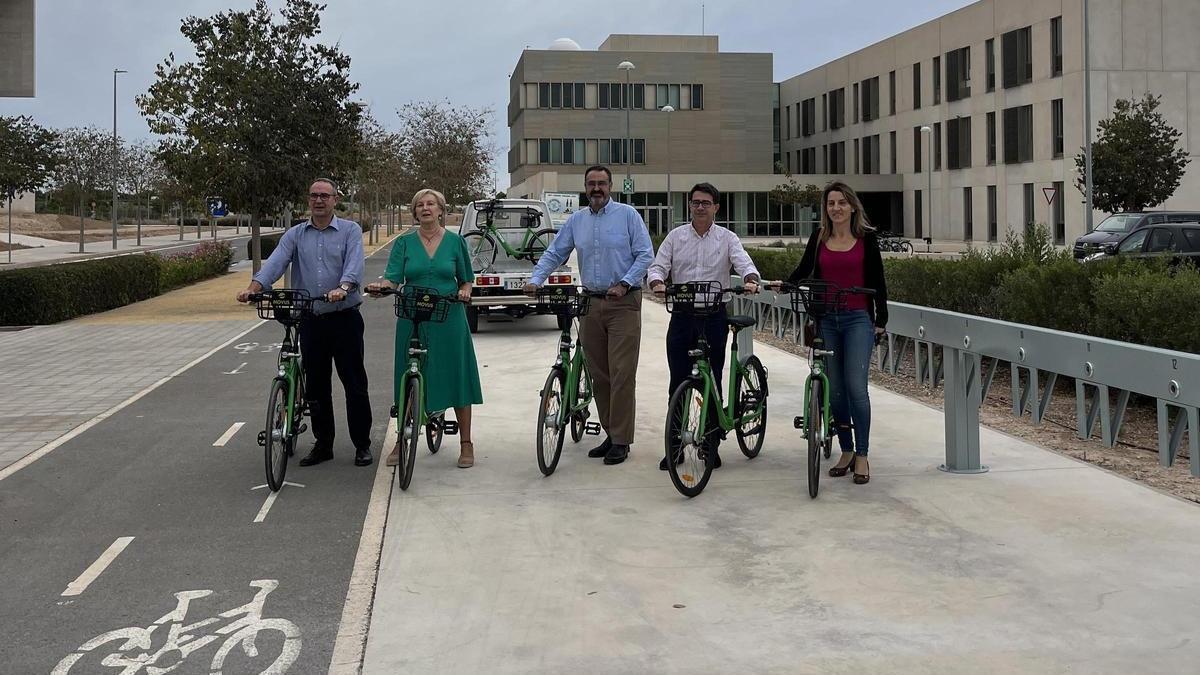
432, 257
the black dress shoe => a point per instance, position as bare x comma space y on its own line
710, 453
616, 454
602, 449
318, 454
362, 457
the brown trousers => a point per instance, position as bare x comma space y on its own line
611, 333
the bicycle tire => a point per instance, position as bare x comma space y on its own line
275, 447
434, 439
754, 381
906, 246
482, 249
683, 439
539, 243
583, 395
408, 432
550, 433
815, 416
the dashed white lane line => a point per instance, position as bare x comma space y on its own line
89, 575
262, 513
220, 442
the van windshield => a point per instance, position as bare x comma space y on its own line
505, 218
1119, 223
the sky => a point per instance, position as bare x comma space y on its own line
457, 50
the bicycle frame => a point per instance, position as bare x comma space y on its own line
571, 360
702, 371
416, 360
489, 229
816, 371
290, 369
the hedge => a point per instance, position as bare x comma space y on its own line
53, 293
267, 244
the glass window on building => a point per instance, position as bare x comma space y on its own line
1056, 46
1060, 214
892, 93
917, 154
639, 96
661, 96
1056, 127
892, 150
991, 138
958, 142
918, 215
916, 81
639, 151
937, 146
1018, 134
937, 80
556, 156
1027, 198
697, 97
855, 96
544, 95
604, 91
1018, 57
968, 216
556, 95
673, 96
543, 150
989, 52
958, 74
568, 146
579, 95
993, 233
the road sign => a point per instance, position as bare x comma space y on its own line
1050, 193
561, 204
216, 207
627, 186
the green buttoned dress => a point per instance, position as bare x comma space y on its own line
450, 369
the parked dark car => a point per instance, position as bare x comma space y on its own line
1116, 226
1178, 241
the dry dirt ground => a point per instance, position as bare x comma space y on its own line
66, 228
15, 247
1135, 456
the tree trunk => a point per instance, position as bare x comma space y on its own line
81, 223
255, 242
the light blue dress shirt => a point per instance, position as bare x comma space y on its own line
321, 261
613, 246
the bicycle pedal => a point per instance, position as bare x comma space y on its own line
394, 412
262, 438
449, 427
798, 422
592, 428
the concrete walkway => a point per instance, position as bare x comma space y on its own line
1043, 565
62, 251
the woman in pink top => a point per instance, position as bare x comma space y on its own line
845, 252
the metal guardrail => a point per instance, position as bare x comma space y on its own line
964, 352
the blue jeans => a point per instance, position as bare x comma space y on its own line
851, 337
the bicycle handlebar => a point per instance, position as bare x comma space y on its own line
401, 292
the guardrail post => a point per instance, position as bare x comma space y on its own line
1170, 436
962, 395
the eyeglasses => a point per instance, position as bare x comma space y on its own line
319, 196
596, 183
701, 204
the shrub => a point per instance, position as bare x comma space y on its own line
53, 293
207, 260
1150, 305
775, 264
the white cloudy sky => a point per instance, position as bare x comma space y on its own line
460, 50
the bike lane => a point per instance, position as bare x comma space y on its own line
160, 499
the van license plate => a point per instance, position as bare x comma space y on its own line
515, 284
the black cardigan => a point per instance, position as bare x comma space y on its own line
810, 268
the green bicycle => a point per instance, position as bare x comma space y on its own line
567, 393
484, 244
418, 305
815, 299
689, 425
286, 406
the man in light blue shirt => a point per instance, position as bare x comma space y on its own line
614, 251
326, 257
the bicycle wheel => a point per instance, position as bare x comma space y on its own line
539, 243
906, 246
276, 446
434, 433
815, 416
583, 397
550, 430
482, 250
409, 432
750, 386
686, 463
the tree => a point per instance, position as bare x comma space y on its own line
1136, 158
262, 111
141, 171
801, 196
87, 155
446, 148
29, 156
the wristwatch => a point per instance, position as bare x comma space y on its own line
346, 286
625, 284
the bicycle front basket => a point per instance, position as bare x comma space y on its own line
421, 304
563, 300
285, 305
699, 298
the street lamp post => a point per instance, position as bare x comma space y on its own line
928, 131
1087, 118
115, 151
670, 198
628, 150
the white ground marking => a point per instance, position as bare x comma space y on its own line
95, 569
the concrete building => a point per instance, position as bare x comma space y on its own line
17, 48
999, 84
570, 108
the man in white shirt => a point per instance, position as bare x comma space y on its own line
700, 251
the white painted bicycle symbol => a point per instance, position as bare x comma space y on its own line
238, 626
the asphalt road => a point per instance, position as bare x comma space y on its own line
152, 472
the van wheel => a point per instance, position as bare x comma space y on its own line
473, 319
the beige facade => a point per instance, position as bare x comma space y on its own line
1136, 46
17, 48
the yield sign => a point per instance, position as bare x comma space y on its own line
1050, 193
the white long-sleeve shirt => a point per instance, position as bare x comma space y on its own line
687, 256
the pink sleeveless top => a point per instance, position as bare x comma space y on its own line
846, 269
